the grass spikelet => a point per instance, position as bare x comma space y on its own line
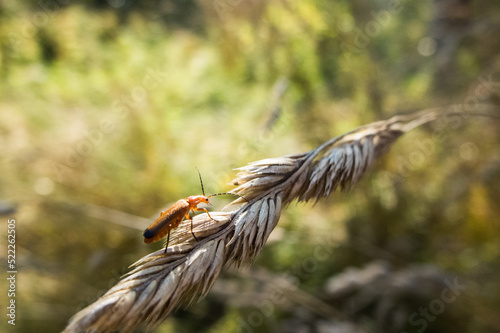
160, 282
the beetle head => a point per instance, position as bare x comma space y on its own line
195, 200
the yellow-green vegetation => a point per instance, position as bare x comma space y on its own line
113, 104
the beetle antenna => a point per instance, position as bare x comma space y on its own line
227, 193
214, 195
201, 182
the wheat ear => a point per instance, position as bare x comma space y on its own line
160, 282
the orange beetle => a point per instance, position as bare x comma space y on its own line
172, 217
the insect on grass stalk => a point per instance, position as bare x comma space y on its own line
161, 281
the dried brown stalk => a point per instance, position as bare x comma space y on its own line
160, 282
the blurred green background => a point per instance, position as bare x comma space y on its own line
107, 107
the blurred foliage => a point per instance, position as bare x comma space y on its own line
115, 102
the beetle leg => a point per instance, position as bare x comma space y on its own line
168, 239
192, 233
206, 211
